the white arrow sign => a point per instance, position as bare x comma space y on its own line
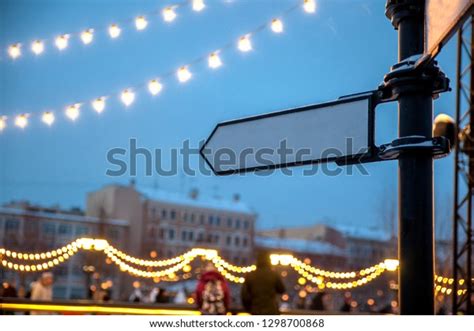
332, 131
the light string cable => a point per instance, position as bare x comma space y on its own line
115, 30
154, 86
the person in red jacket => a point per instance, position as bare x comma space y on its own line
212, 292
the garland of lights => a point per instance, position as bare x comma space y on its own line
114, 30
125, 262
154, 86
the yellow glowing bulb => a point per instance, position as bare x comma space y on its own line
391, 264
14, 51
154, 86
277, 25
21, 121
198, 5
141, 23
3, 123
37, 47
184, 74
114, 31
245, 45
214, 61
62, 41
127, 97
309, 6
169, 14
73, 111
48, 118
87, 36
99, 104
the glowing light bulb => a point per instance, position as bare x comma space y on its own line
141, 23
169, 14
154, 86
48, 118
87, 36
198, 5
127, 97
62, 41
309, 6
37, 47
14, 51
99, 104
184, 74
245, 45
114, 31
73, 111
277, 25
214, 60
21, 121
3, 123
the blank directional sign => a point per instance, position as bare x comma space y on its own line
332, 131
442, 18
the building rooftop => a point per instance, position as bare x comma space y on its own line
198, 201
59, 216
300, 245
363, 232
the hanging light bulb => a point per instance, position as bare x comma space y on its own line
169, 14
48, 118
87, 36
99, 104
127, 97
184, 74
14, 51
198, 5
154, 86
114, 31
245, 45
73, 111
141, 23
37, 47
309, 6
62, 41
3, 123
277, 25
214, 60
21, 121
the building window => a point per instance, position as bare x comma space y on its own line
201, 219
211, 220
246, 225
185, 216
218, 221
244, 242
193, 218
171, 234
237, 241
173, 214
49, 228
183, 235
162, 233
81, 230
191, 236
200, 237
237, 224
229, 222
11, 225
164, 214
228, 240
64, 229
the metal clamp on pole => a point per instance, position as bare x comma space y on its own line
437, 146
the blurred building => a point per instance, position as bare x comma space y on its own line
28, 228
165, 224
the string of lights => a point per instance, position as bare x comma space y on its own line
87, 36
127, 96
46, 260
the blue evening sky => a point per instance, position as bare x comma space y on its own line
346, 47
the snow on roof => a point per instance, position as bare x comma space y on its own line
299, 245
59, 216
363, 232
199, 202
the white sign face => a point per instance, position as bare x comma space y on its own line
317, 133
442, 18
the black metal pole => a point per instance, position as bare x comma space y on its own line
415, 170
